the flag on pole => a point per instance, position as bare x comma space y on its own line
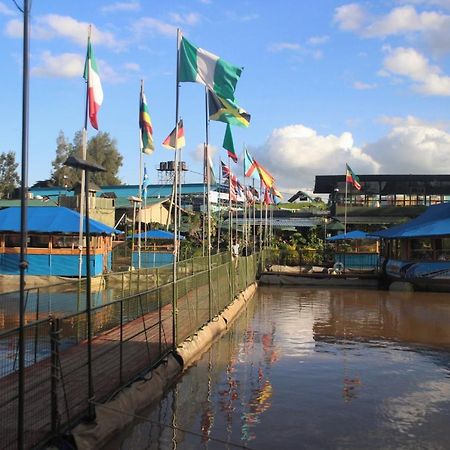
200, 66
250, 169
225, 110
179, 142
229, 176
350, 177
95, 91
144, 182
265, 175
145, 125
228, 144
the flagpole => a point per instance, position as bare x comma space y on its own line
140, 190
244, 232
345, 204
175, 182
254, 217
230, 207
82, 187
208, 202
219, 205
260, 216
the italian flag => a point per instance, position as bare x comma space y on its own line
95, 91
200, 66
350, 177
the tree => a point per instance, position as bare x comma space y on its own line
100, 149
9, 178
61, 174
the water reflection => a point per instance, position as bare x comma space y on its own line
308, 368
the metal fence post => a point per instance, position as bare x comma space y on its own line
121, 345
54, 345
36, 328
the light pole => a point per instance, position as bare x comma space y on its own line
79, 163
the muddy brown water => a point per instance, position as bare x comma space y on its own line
308, 368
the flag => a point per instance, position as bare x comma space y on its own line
350, 177
276, 193
228, 175
145, 125
95, 91
144, 182
250, 169
200, 66
170, 141
267, 198
228, 144
225, 110
253, 169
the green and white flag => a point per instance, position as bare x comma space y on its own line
200, 66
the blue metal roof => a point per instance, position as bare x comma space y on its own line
50, 220
435, 221
156, 234
357, 234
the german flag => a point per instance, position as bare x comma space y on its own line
179, 142
223, 110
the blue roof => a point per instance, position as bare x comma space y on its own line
156, 234
357, 234
435, 221
49, 220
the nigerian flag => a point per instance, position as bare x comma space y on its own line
200, 66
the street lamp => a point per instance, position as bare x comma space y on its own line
86, 167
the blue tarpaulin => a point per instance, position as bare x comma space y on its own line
357, 234
156, 234
435, 221
50, 220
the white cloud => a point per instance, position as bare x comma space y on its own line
296, 153
152, 25
133, 67
53, 26
70, 65
242, 17
281, 46
442, 3
318, 40
398, 121
412, 149
408, 62
65, 65
121, 6
199, 151
6, 11
433, 26
361, 86
185, 19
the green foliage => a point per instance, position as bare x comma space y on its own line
101, 149
9, 179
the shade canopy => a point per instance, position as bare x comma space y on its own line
357, 234
50, 221
156, 234
435, 221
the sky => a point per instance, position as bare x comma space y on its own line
326, 82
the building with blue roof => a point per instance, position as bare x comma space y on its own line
53, 238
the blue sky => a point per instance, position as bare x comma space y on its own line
327, 82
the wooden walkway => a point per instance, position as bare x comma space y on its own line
141, 342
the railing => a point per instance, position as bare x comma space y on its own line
313, 261
130, 335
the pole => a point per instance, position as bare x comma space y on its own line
208, 204
219, 204
175, 182
140, 190
91, 410
83, 155
254, 217
23, 265
132, 233
345, 208
230, 209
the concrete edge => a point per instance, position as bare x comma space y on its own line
115, 415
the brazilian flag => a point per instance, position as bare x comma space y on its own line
225, 110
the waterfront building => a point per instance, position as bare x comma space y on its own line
384, 200
53, 235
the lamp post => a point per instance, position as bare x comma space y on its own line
79, 163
